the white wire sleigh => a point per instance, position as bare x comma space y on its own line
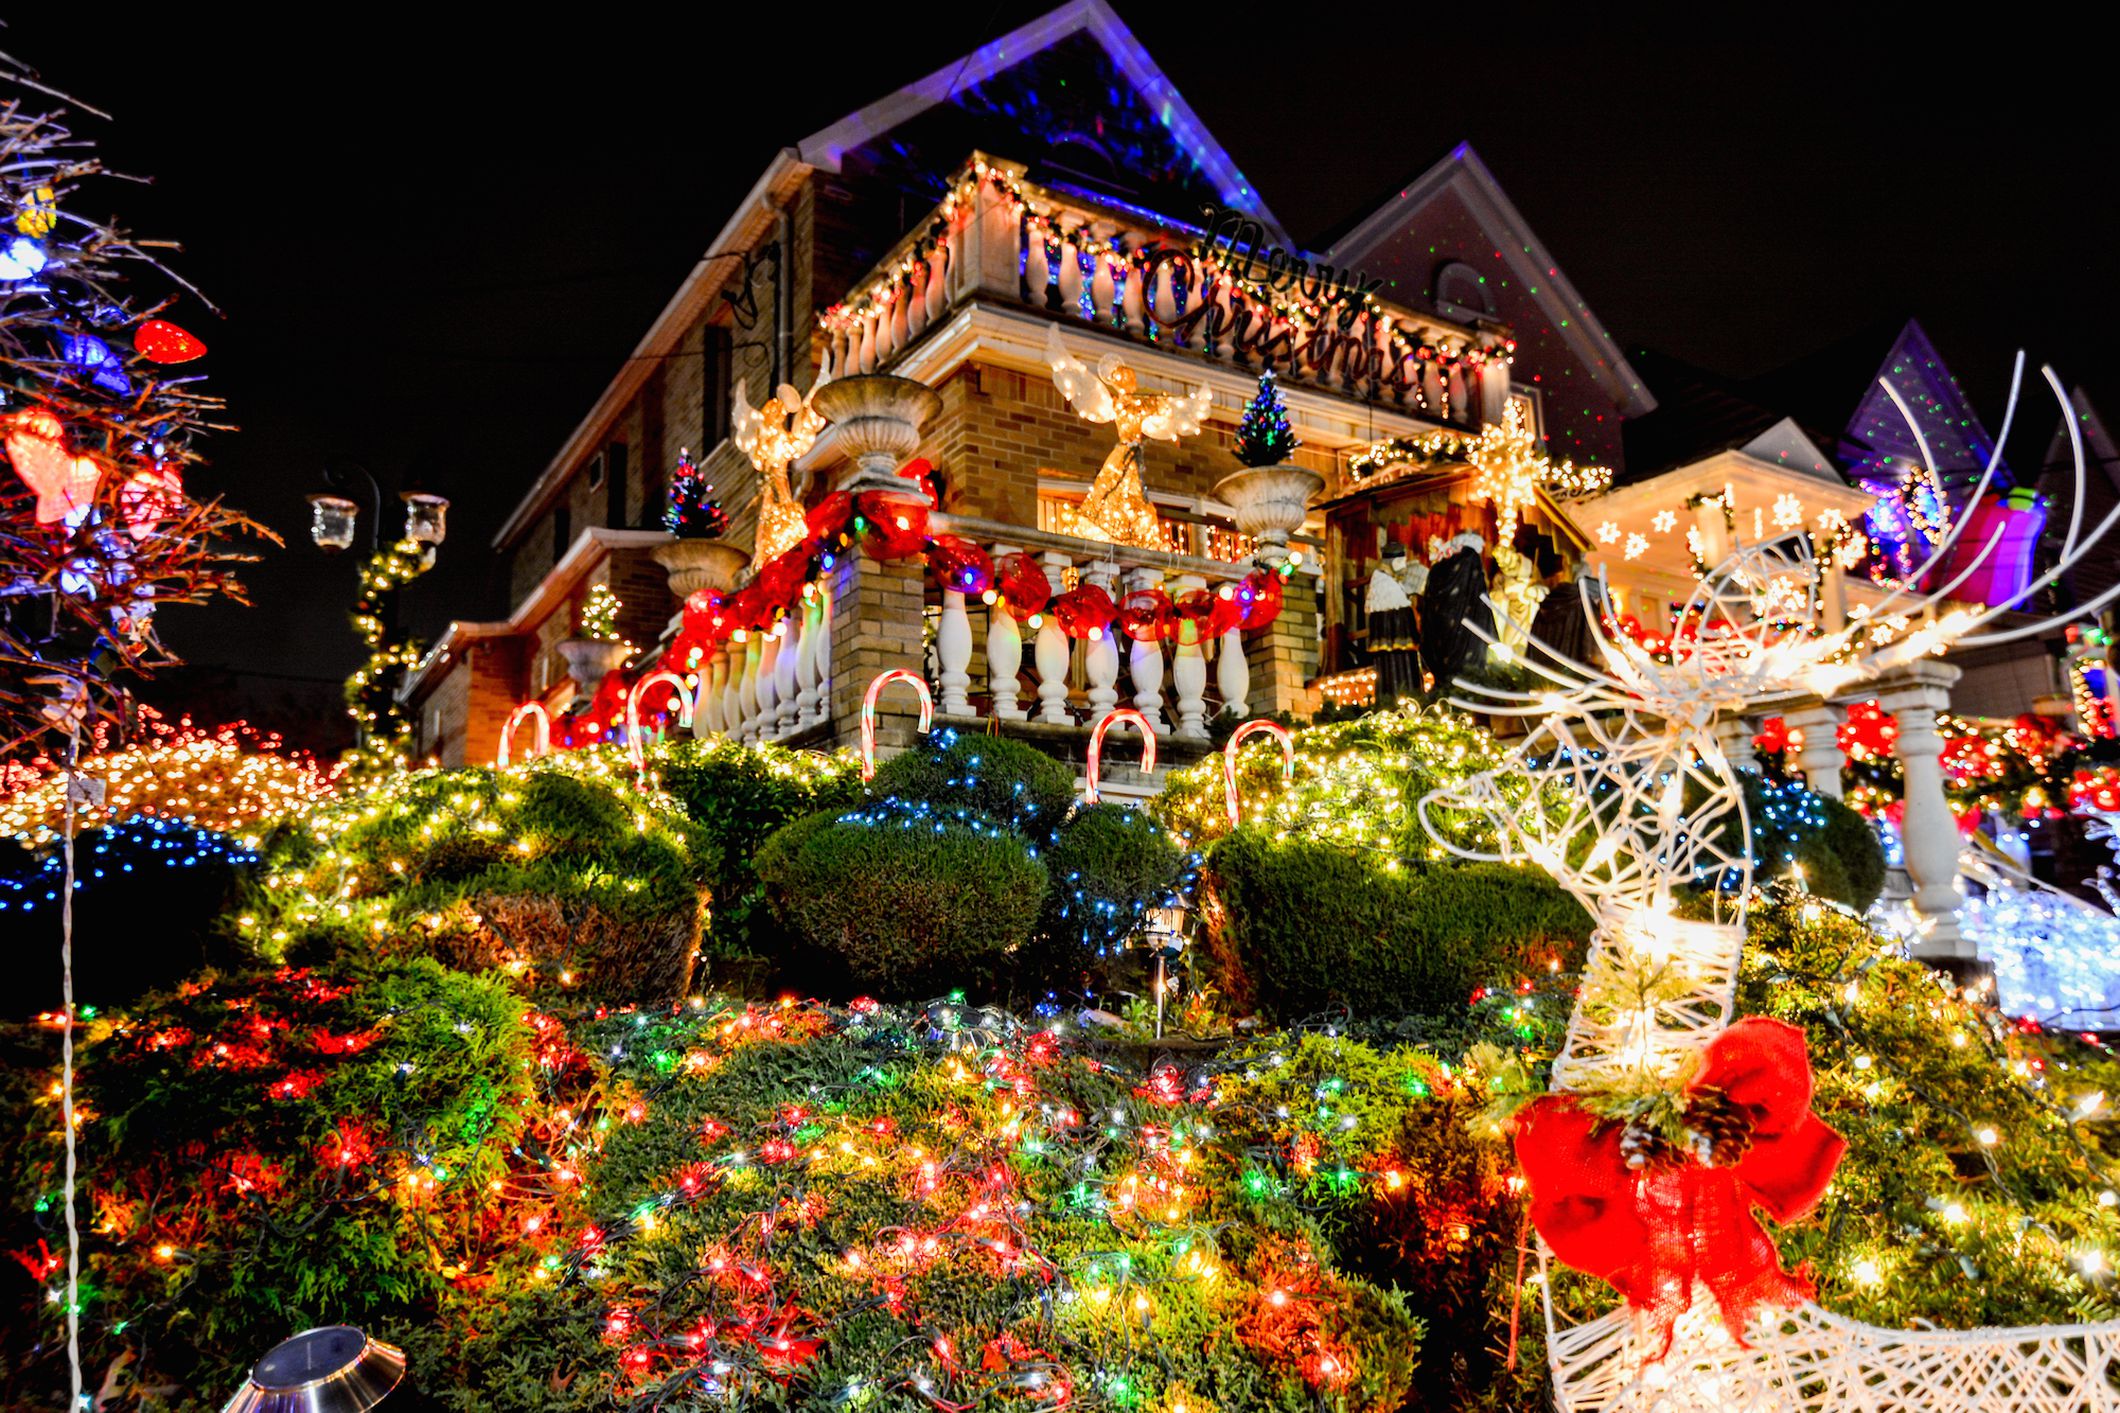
1634, 799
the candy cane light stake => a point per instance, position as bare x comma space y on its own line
1229, 758
868, 712
543, 738
634, 749
1096, 747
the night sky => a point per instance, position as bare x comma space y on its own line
433, 240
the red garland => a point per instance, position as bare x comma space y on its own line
1652, 1232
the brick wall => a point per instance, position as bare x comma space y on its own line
876, 625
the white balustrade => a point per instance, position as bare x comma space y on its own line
820, 706
1004, 649
1233, 674
746, 691
1053, 653
806, 688
713, 678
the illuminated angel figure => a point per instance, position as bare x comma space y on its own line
775, 437
1117, 509
1630, 800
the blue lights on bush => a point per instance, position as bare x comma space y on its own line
38, 878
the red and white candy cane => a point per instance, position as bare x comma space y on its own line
868, 712
1229, 758
515, 718
1096, 746
634, 748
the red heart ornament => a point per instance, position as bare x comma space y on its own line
160, 341
64, 483
149, 497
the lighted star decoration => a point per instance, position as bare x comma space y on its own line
1665, 521
1510, 468
1116, 510
775, 437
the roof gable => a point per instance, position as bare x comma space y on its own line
1878, 443
1456, 209
1138, 106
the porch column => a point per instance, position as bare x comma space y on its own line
1819, 756
1915, 694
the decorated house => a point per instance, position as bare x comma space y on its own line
1049, 197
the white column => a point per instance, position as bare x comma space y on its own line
1928, 833
1004, 649
806, 693
746, 691
953, 650
1100, 655
1734, 735
1233, 674
785, 668
1145, 660
1189, 673
1819, 756
713, 678
1053, 653
823, 710
768, 688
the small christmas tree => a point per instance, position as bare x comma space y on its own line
1264, 437
691, 512
600, 614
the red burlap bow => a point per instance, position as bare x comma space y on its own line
1653, 1231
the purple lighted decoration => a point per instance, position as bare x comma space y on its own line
2012, 522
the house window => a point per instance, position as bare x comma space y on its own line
716, 354
614, 461
1460, 293
596, 472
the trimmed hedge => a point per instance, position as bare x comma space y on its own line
1836, 847
911, 898
1108, 867
1300, 927
738, 795
546, 875
1018, 785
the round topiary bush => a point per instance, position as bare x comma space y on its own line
1298, 927
737, 795
1017, 785
1108, 866
912, 898
548, 876
1835, 847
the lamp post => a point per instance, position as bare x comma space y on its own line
334, 523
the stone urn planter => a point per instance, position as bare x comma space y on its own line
1269, 502
879, 417
700, 564
588, 660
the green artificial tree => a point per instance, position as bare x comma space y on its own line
1264, 437
690, 511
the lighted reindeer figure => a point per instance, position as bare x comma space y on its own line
1623, 794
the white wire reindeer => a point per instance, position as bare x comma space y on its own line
1634, 800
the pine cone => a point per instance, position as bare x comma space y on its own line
1645, 1147
1719, 1131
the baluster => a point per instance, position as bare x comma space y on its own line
1053, 653
713, 678
1004, 649
1127, 313
1189, 673
746, 691
902, 313
1233, 673
953, 650
1145, 660
1100, 655
834, 344
806, 659
768, 688
785, 668
865, 359
916, 310
1102, 294
938, 279
1071, 281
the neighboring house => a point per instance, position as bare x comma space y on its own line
847, 255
